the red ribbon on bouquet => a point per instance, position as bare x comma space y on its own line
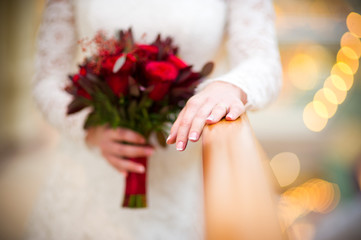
136, 187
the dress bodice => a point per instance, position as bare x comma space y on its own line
196, 27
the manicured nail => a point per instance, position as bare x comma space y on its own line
168, 138
193, 136
210, 118
229, 116
141, 169
180, 146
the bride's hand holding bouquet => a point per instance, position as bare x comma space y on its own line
133, 91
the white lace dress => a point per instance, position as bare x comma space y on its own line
82, 195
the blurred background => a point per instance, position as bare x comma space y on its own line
312, 133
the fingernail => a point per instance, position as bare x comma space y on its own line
193, 136
168, 138
229, 116
180, 146
210, 118
141, 169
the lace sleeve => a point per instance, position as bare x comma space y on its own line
54, 58
253, 51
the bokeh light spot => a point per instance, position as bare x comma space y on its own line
312, 120
353, 22
286, 167
330, 95
338, 82
326, 107
348, 52
320, 109
337, 86
351, 41
303, 71
344, 68
352, 63
341, 71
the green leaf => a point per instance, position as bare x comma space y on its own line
132, 108
92, 120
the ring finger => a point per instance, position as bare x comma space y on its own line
218, 112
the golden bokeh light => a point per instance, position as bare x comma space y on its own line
338, 82
286, 167
344, 68
303, 71
348, 52
312, 119
346, 78
320, 109
315, 195
325, 103
337, 86
352, 63
351, 41
330, 95
353, 22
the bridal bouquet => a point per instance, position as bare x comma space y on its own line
135, 86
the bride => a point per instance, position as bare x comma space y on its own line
82, 193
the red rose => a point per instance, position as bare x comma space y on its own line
146, 52
117, 82
109, 61
161, 71
129, 63
160, 75
176, 61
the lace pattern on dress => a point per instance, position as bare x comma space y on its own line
253, 52
54, 59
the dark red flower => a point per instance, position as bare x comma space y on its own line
118, 83
176, 61
109, 61
161, 75
161, 71
82, 71
129, 63
146, 52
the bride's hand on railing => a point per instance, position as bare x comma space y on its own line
115, 151
209, 106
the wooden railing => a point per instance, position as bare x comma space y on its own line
238, 187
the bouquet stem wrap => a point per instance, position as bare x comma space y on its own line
135, 186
